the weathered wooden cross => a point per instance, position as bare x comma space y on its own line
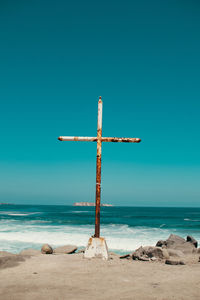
99, 139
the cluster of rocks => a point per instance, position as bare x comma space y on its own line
67, 249
173, 251
8, 259
47, 249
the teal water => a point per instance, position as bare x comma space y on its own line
125, 228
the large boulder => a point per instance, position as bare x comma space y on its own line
46, 249
178, 243
67, 249
149, 252
174, 240
192, 240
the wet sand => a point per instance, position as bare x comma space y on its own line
73, 277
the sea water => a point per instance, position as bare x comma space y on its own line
125, 228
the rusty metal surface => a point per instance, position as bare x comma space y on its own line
103, 139
78, 138
120, 140
98, 171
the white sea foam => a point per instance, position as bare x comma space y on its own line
15, 236
162, 225
80, 212
8, 213
119, 237
191, 220
38, 221
18, 214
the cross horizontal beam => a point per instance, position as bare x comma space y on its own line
103, 139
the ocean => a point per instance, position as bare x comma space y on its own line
125, 228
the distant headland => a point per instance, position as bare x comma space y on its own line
6, 203
89, 204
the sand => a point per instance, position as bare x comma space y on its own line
73, 277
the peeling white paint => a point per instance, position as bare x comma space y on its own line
96, 247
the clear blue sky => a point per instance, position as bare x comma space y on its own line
142, 57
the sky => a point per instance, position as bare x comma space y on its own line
57, 58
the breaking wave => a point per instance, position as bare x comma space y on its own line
118, 237
125, 229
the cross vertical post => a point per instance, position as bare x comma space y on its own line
98, 170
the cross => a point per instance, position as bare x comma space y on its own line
99, 139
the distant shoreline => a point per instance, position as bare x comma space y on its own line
90, 204
116, 206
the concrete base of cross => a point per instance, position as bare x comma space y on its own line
96, 247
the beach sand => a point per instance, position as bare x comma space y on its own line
67, 276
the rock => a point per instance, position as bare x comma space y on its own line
127, 256
174, 240
140, 252
174, 262
46, 249
176, 253
192, 240
156, 252
198, 250
161, 243
67, 249
149, 252
178, 243
30, 252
